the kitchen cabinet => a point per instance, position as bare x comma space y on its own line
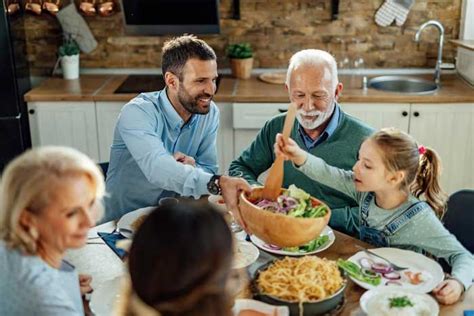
249, 118
107, 114
449, 129
380, 115
65, 124
225, 137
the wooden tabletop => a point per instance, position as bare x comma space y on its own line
344, 247
102, 87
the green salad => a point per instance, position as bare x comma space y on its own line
309, 247
294, 202
357, 273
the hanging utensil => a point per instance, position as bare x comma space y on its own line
274, 180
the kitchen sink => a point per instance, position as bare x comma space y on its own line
403, 84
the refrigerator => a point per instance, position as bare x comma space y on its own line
14, 83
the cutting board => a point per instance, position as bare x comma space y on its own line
273, 77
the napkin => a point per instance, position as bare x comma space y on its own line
111, 239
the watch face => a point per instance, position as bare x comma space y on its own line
213, 187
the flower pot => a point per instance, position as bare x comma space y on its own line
241, 68
70, 66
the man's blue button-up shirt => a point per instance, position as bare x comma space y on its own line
142, 168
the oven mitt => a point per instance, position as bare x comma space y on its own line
74, 24
393, 10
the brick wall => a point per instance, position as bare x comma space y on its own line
276, 29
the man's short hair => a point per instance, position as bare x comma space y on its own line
315, 58
177, 51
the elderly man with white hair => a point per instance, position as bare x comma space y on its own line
322, 129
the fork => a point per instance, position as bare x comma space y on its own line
391, 264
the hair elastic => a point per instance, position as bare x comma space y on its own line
421, 149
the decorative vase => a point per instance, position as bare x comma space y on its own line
70, 67
241, 68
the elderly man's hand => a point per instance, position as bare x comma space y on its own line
184, 159
231, 189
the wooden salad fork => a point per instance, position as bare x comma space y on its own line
274, 180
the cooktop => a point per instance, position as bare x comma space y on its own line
147, 83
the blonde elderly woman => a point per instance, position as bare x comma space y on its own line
49, 198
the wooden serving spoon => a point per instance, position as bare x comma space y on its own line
272, 187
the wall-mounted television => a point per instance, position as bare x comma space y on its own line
170, 17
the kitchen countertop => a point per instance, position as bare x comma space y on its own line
469, 44
102, 87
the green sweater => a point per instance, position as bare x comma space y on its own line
340, 150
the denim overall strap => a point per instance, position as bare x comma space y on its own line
365, 208
397, 223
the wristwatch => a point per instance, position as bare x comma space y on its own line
213, 185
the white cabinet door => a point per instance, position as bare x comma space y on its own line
107, 114
225, 139
380, 115
70, 124
249, 118
449, 129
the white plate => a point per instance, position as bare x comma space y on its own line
126, 221
105, 298
375, 294
264, 246
218, 202
246, 254
243, 304
415, 262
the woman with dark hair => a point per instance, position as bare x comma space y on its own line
179, 263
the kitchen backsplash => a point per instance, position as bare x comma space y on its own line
275, 29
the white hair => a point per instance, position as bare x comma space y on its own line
314, 58
28, 183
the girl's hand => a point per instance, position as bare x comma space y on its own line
448, 292
85, 283
289, 150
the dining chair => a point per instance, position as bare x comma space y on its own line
459, 218
104, 166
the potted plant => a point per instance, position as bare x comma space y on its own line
241, 60
69, 56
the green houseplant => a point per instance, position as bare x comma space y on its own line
241, 59
69, 55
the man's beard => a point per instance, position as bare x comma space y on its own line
313, 124
191, 103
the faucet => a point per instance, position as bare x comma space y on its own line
440, 28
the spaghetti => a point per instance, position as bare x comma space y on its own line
305, 279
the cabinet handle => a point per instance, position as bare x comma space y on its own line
404, 113
416, 114
32, 111
282, 110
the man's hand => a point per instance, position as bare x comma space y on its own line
186, 160
448, 292
289, 150
85, 283
231, 189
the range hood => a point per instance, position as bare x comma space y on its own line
170, 17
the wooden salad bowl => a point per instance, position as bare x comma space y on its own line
279, 229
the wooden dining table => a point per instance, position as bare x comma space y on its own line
98, 260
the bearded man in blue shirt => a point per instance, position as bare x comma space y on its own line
165, 141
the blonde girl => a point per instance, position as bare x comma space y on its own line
390, 176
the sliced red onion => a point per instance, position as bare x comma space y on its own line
382, 268
366, 263
393, 283
394, 275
